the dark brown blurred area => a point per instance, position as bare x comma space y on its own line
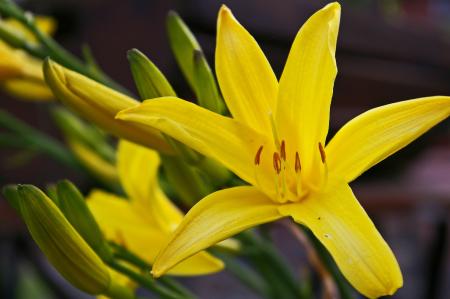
387, 51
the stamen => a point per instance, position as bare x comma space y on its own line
322, 153
258, 155
277, 162
283, 150
298, 166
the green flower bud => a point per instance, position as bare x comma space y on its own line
193, 64
63, 246
52, 193
149, 80
73, 206
207, 92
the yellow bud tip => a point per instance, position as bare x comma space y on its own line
172, 14
122, 114
155, 274
224, 13
53, 73
335, 7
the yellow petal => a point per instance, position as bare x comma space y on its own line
222, 138
199, 264
46, 24
113, 214
102, 169
10, 62
99, 104
378, 133
246, 79
146, 243
17, 64
341, 224
213, 219
28, 90
138, 169
306, 87
120, 222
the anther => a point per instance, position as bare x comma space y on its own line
277, 162
258, 155
283, 150
298, 166
322, 153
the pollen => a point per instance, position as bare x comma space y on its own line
322, 153
283, 150
277, 162
298, 166
258, 155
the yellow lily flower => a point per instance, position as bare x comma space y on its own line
276, 142
20, 73
144, 222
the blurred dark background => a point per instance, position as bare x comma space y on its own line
388, 50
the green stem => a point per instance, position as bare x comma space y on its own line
126, 255
272, 266
145, 281
11, 38
39, 141
245, 274
190, 186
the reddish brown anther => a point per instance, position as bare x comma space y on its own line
258, 155
276, 162
322, 153
283, 150
298, 166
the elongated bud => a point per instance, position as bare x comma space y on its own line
206, 86
73, 206
193, 64
149, 80
99, 104
74, 128
63, 246
52, 193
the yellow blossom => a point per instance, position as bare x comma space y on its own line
143, 222
20, 73
275, 141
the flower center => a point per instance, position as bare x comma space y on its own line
289, 183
